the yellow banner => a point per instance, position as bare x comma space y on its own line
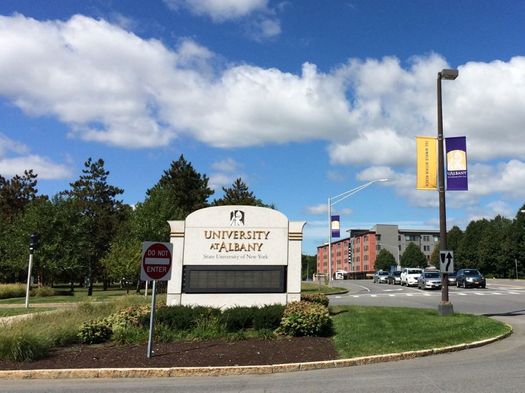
426, 166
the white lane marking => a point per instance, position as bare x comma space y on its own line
514, 293
356, 296
460, 294
392, 295
495, 293
360, 286
338, 297
479, 293
373, 295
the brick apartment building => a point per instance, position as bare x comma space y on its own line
365, 244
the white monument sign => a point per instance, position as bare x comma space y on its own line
235, 255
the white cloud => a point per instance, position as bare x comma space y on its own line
42, 166
368, 110
9, 145
226, 165
322, 208
219, 10
503, 178
15, 158
219, 180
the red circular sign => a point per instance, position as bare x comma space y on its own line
156, 261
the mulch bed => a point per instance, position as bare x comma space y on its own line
186, 354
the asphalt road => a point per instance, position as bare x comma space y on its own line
495, 368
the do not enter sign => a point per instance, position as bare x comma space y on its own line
156, 261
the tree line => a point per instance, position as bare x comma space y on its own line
87, 234
496, 247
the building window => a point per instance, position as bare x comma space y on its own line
378, 237
436, 238
426, 238
366, 268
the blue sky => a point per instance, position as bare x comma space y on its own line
302, 99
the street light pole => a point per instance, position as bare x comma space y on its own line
332, 201
445, 306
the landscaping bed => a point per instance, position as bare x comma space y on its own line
185, 354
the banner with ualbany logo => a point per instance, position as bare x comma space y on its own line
456, 148
426, 166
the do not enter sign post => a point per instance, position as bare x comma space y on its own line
156, 266
156, 261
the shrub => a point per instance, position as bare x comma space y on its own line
268, 317
305, 319
182, 317
129, 335
23, 348
94, 332
12, 290
43, 292
238, 318
319, 298
130, 316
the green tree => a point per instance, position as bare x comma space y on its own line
384, 260
434, 257
122, 262
239, 194
308, 266
16, 193
494, 252
516, 243
413, 257
100, 214
454, 237
468, 250
180, 191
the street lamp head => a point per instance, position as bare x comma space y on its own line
448, 74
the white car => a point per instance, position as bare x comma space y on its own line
410, 275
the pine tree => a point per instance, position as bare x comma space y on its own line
413, 257
180, 191
384, 260
239, 194
100, 213
16, 193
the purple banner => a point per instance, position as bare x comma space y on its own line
456, 150
336, 225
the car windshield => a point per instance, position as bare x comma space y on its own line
383, 273
471, 272
453, 274
432, 275
414, 272
397, 273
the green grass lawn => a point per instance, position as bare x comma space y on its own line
362, 331
308, 287
9, 312
79, 295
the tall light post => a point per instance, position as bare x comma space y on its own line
332, 201
445, 306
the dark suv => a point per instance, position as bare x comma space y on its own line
470, 278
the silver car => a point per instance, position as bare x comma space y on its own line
429, 280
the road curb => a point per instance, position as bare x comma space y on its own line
238, 370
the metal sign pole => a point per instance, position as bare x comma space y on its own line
29, 277
151, 318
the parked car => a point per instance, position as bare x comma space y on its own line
452, 278
470, 278
429, 280
381, 277
394, 277
409, 276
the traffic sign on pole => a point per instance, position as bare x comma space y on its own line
446, 261
156, 261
